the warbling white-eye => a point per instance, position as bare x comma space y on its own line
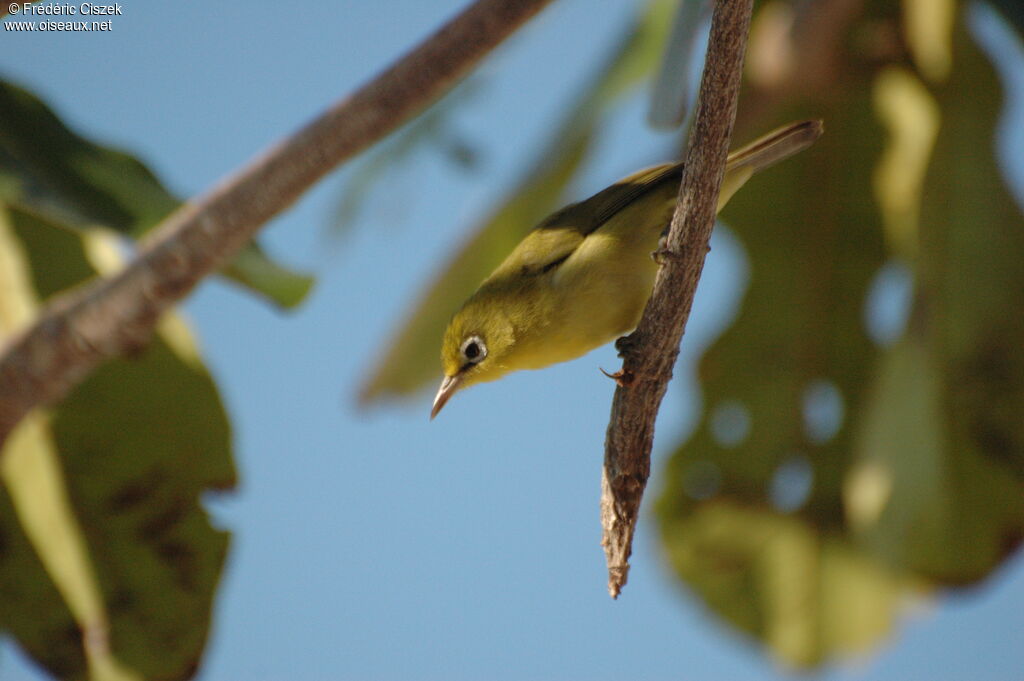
581, 278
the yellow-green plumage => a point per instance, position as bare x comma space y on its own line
582, 277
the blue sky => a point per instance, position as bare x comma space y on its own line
379, 545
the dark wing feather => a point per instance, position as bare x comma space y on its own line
550, 243
608, 202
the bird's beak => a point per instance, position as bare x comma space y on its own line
448, 387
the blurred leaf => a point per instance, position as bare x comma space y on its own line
49, 627
907, 461
411, 360
68, 176
32, 476
670, 99
806, 594
256, 271
814, 245
798, 347
919, 499
46, 165
946, 421
116, 473
1013, 11
34, 614
911, 118
371, 170
928, 33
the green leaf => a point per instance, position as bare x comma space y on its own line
34, 614
797, 348
66, 175
817, 447
372, 169
944, 425
46, 165
806, 594
814, 245
126, 554
918, 497
255, 270
411, 360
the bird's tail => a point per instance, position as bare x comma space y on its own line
766, 151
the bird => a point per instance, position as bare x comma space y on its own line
582, 277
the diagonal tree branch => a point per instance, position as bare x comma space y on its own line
110, 317
650, 352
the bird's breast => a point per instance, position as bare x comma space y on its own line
595, 296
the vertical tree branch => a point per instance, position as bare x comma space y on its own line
77, 332
650, 351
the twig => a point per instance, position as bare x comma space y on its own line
110, 317
650, 352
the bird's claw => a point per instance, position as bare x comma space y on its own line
622, 378
663, 254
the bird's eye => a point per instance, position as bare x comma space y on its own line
473, 349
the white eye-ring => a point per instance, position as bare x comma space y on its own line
473, 349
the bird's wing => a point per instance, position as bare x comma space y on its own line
555, 239
606, 203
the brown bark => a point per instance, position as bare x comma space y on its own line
649, 353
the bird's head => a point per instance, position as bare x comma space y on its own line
476, 344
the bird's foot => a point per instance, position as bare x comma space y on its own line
622, 378
624, 345
664, 254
